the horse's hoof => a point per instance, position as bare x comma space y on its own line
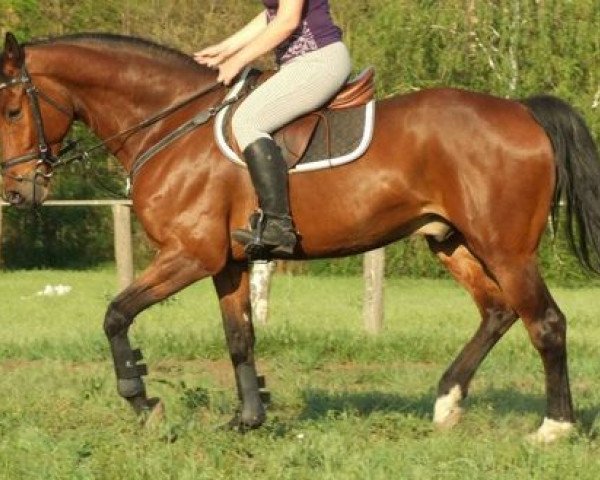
451, 419
551, 431
447, 412
236, 424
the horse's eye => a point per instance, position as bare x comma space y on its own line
14, 114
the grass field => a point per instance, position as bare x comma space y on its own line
345, 405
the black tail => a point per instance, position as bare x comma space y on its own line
578, 175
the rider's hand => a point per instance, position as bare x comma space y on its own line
218, 56
229, 69
211, 56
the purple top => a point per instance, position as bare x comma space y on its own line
316, 29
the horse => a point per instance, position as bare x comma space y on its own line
476, 175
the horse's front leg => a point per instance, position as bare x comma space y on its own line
233, 288
171, 271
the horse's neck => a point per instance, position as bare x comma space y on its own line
113, 91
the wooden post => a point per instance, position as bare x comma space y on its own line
123, 248
373, 272
260, 286
122, 231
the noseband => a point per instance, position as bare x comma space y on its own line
43, 155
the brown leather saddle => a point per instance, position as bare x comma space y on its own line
295, 138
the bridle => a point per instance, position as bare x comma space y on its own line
43, 155
50, 161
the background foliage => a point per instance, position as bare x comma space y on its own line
511, 48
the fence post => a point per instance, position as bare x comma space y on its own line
123, 248
260, 286
373, 272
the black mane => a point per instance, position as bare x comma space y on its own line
113, 40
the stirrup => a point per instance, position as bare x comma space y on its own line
256, 249
253, 240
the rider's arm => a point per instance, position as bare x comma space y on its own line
247, 34
215, 54
279, 29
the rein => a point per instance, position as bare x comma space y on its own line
44, 154
199, 119
138, 126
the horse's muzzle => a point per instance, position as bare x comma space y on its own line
26, 197
15, 199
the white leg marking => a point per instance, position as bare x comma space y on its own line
551, 430
447, 411
260, 284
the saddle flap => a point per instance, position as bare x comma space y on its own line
293, 138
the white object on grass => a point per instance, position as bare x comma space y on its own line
54, 290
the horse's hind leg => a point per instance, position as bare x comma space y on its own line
171, 271
527, 293
496, 319
233, 289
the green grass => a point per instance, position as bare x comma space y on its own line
345, 405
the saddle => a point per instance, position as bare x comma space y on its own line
295, 138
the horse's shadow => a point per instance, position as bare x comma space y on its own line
321, 403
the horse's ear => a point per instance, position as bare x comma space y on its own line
13, 57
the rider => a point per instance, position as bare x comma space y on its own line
313, 64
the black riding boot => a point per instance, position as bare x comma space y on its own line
272, 231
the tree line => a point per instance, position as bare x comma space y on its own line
510, 48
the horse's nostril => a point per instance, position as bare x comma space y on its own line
14, 198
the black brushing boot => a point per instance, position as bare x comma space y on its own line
271, 229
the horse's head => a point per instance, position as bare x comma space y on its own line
32, 126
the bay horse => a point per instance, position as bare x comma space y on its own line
476, 175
